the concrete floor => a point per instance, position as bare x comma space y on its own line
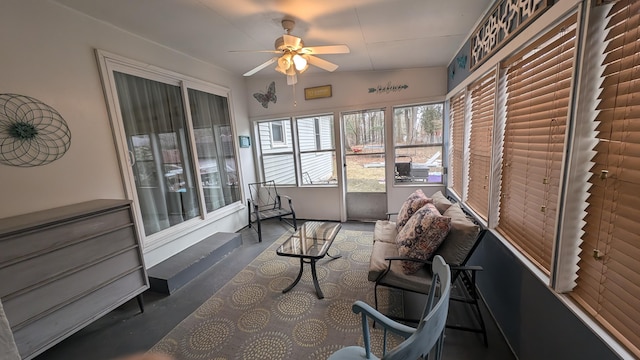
126, 331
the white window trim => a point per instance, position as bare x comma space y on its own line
108, 63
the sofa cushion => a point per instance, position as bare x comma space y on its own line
441, 202
420, 281
385, 231
377, 263
420, 236
461, 237
413, 203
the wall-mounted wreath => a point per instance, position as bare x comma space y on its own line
31, 132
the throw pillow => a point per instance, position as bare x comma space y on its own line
441, 202
421, 236
385, 231
413, 203
462, 236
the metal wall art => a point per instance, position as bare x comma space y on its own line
266, 97
31, 132
505, 20
385, 89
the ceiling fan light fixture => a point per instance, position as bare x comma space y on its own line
284, 62
300, 62
291, 70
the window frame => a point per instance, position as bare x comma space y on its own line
301, 178
275, 149
411, 181
291, 146
110, 63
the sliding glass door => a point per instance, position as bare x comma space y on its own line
181, 150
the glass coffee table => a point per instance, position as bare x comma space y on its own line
310, 243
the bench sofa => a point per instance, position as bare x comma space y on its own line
385, 265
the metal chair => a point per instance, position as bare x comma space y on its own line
419, 343
265, 203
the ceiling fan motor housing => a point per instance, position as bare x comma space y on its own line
280, 45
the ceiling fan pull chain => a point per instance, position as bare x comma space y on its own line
294, 96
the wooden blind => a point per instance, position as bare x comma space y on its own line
538, 88
608, 284
456, 116
482, 109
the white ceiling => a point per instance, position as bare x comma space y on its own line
382, 34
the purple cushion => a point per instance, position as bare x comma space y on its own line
421, 236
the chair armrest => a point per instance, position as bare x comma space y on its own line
393, 326
252, 206
466, 267
288, 200
428, 262
392, 258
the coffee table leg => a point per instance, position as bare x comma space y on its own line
314, 275
298, 278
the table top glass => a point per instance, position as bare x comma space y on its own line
311, 240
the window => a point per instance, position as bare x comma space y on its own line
608, 284
317, 150
538, 81
482, 94
277, 134
215, 150
417, 138
456, 120
182, 164
276, 151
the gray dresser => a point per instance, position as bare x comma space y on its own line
63, 268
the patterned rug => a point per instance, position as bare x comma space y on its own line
250, 317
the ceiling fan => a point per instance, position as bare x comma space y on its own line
294, 58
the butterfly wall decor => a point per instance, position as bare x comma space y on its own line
270, 95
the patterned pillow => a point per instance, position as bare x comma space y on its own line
421, 236
414, 202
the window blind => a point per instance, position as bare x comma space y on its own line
608, 284
538, 81
456, 117
482, 109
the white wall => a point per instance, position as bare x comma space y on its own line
349, 92
48, 53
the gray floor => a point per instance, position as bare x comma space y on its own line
126, 331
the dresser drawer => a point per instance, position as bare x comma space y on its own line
50, 266
55, 236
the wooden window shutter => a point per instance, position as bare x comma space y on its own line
608, 284
481, 129
538, 88
456, 117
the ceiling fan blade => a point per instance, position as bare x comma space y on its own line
328, 49
291, 41
261, 66
321, 63
259, 51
